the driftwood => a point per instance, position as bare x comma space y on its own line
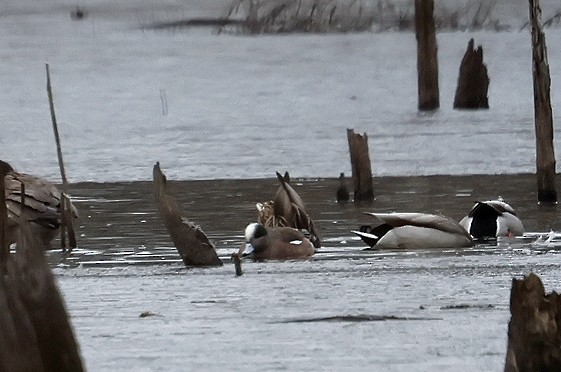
427, 62
543, 118
342, 191
473, 81
36, 334
191, 242
534, 330
361, 167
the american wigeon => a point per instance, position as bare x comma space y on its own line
276, 243
42, 205
414, 231
287, 209
491, 219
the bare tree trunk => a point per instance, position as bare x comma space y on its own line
534, 330
361, 167
427, 62
473, 82
545, 154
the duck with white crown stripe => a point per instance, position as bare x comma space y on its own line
276, 243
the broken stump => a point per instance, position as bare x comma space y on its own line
534, 330
473, 81
360, 165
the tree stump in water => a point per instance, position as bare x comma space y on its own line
543, 117
361, 167
534, 330
427, 62
473, 82
191, 242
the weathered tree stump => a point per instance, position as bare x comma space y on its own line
361, 167
473, 81
427, 62
191, 242
534, 330
543, 118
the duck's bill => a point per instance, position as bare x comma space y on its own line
247, 250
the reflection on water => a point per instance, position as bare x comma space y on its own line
437, 309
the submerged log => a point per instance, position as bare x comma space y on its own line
543, 118
427, 62
191, 242
473, 81
534, 330
361, 167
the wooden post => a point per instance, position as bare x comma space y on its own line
68, 221
534, 330
361, 167
543, 118
473, 81
427, 62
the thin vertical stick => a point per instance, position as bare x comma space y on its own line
68, 222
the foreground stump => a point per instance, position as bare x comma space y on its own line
534, 330
473, 82
361, 167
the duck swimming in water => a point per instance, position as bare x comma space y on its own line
276, 243
413, 231
491, 219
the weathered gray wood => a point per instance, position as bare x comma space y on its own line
427, 61
360, 165
473, 80
543, 118
534, 330
191, 242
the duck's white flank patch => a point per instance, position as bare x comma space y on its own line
366, 235
296, 242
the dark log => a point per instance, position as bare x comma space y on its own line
473, 81
543, 118
427, 61
534, 330
361, 167
342, 191
191, 242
